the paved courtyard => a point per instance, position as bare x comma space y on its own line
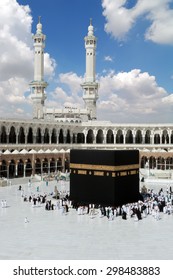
52, 235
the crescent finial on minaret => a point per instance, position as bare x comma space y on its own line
39, 18
90, 21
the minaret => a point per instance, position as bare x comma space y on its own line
38, 85
90, 87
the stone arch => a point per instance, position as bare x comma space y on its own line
12, 169
119, 137
152, 162
169, 162
156, 138
54, 136
68, 137
38, 166
28, 168
20, 168
160, 163
38, 136
80, 138
52, 165
21, 135
61, 136
12, 135
109, 137
90, 137
3, 169
171, 137
99, 137
3, 135
138, 137
165, 137
45, 165
129, 137
147, 137
143, 161
59, 164
46, 136
30, 136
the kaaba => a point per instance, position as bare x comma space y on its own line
104, 177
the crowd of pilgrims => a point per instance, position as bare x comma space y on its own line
153, 204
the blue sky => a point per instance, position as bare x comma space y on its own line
133, 63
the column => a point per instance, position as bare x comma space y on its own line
75, 138
49, 167
41, 169
8, 163
134, 136
95, 134
104, 137
124, 136
143, 137
85, 136
16, 169
115, 135
65, 137
24, 170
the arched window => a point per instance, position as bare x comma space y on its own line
143, 161
156, 139
129, 137
59, 164
38, 136
165, 137
12, 169
80, 138
12, 135
46, 136
3, 169
99, 137
54, 137
45, 165
147, 137
119, 137
28, 168
68, 138
90, 137
37, 166
152, 162
3, 135
138, 137
160, 163
52, 165
30, 136
61, 136
109, 137
21, 136
20, 168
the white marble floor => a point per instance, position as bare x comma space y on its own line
51, 235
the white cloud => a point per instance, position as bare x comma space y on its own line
68, 92
73, 81
17, 58
133, 97
108, 58
49, 66
121, 19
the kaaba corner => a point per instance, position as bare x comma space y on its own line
104, 177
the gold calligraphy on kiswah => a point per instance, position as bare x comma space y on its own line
103, 167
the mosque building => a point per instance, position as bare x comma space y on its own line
41, 145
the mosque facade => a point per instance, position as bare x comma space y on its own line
42, 145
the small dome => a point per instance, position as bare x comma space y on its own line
90, 29
39, 26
